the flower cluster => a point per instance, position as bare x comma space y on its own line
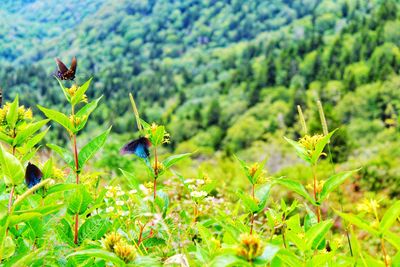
117, 200
318, 187
197, 188
114, 242
250, 247
310, 142
24, 114
369, 206
72, 92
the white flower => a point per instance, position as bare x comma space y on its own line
108, 187
120, 193
125, 213
189, 181
109, 209
133, 191
109, 194
119, 202
198, 194
192, 187
144, 189
199, 181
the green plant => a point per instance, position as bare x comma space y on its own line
73, 123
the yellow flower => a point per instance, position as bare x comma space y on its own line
125, 251
160, 167
319, 186
310, 142
72, 90
250, 247
253, 169
368, 206
111, 240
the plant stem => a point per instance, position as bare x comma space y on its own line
252, 214
10, 199
195, 213
315, 193
155, 173
75, 151
384, 253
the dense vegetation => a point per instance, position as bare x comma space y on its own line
227, 80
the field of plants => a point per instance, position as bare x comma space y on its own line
69, 216
200, 133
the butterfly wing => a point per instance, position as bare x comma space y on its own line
139, 147
61, 66
33, 175
74, 64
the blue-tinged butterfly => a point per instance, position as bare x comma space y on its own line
33, 175
63, 72
139, 147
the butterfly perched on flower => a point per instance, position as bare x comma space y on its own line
33, 175
65, 73
139, 147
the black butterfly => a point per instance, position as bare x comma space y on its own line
63, 72
33, 175
139, 147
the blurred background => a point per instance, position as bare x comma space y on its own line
225, 77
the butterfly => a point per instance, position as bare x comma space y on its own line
33, 175
63, 72
139, 147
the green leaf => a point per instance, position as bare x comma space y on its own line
12, 169
79, 200
393, 239
6, 138
93, 229
154, 242
162, 201
65, 91
353, 219
28, 259
245, 169
92, 147
45, 210
317, 233
289, 258
300, 150
296, 187
172, 160
85, 111
35, 140
262, 194
58, 117
228, 260
60, 188
390, 217
80, 92
268, 254
12, 114
64, 232
28, 131
15, 219
64, 154
249, 202
334, 182
8, 247
319, 147
99, 253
